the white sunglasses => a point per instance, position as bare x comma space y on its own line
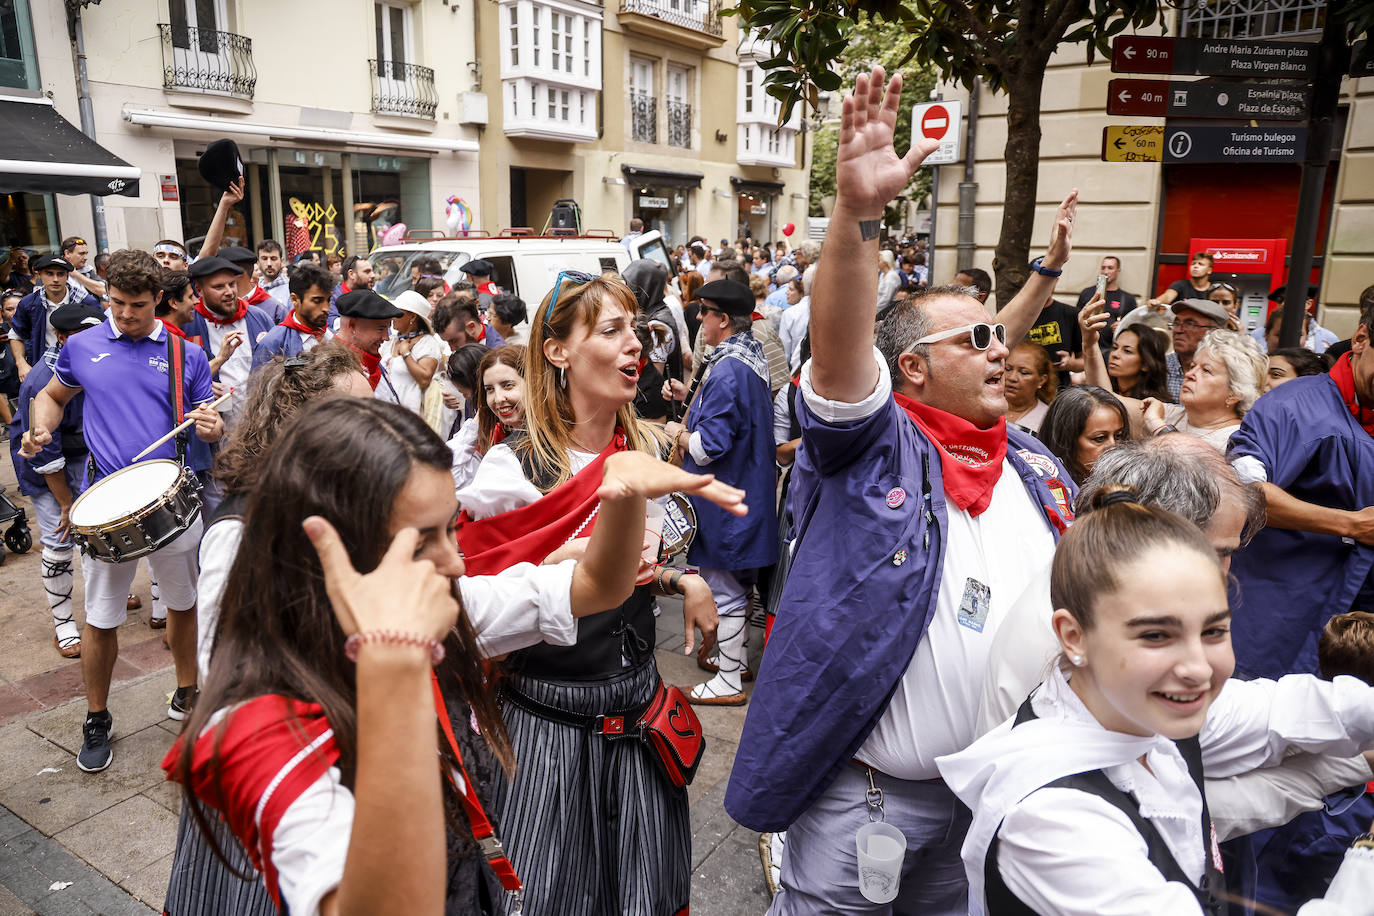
980, 335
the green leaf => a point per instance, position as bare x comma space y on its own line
828, 81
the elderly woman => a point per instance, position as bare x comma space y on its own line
1227, 375
889, 278
1030, 384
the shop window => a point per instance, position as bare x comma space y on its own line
18, 61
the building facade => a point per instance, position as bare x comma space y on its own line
1146, 213
626, 110
352, 117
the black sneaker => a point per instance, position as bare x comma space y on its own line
183, 699
96, 754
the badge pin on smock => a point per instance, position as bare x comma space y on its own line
895, 497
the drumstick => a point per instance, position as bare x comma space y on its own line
187, 425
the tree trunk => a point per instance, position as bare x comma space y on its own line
1022, 157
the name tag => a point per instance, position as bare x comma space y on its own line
973, 610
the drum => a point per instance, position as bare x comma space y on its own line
136, 510
679, 525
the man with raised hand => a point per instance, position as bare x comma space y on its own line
920, 517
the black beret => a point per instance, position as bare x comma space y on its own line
52, 260
212, 264
364, 303
477, 266
730, 297
76, 316
221, 164
1278, 294
237, 254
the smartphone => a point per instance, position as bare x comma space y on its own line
1102, 284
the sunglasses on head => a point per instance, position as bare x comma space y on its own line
980, 335
577, 276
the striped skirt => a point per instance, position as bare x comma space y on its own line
202, 886
592, 825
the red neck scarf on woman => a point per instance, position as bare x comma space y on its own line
531, 533
295, 324
1343, 374
970, 458
216, 320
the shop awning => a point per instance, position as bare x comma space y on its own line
42, 152
663, 177
753, 184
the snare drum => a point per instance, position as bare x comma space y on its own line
135, 510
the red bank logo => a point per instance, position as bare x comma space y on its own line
1240, 254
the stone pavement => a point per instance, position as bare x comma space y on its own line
78, 843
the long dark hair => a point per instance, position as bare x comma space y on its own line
347, 460
1153, 379
1067, 416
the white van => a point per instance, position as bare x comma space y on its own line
522, 263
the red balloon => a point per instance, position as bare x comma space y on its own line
788, 229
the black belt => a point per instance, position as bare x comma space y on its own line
611, 724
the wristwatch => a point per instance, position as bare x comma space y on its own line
1038, 265
1365, 839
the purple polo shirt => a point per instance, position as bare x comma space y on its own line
128, 405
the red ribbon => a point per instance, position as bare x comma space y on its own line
970, 458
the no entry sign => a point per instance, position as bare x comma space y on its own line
939, 121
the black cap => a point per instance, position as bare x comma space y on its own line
76, 316
364, 303
213, 264
221, 164
477, 267
237, 254
728, 296
52, 260
1278, 294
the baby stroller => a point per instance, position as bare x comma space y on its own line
17, 537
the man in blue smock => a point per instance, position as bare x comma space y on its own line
1309, 444
306, 324
729, 433
921, 517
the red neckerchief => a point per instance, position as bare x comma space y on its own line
372, 365
218, 321
970, 458
258, 295
531, 533
1343, 374
173, 329
490, 288
343, 288
756, 316
295, 324
498, 434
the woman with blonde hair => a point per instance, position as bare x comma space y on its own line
592, 822
889, 279
1227, 375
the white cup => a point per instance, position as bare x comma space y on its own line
882, 848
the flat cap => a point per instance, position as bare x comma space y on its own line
364, 303
76, 316
237, 254
1213, 310
730, 297
52, 260
212, 264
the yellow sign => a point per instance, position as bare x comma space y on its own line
1122, 143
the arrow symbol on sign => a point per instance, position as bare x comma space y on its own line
1119, 144
1124, 96
1129, 53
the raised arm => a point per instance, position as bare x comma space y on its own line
868, 174
1092, 318
214, 236
1020, 313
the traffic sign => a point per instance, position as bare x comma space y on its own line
1122, 143
940, 121
1288, 60
1176, 144
1360, 63
1243, 101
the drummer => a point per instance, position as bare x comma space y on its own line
54, 477
122, 367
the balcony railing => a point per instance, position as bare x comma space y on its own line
700, 15
643, 117
679, 124
1252, 18
403, 89
207, 60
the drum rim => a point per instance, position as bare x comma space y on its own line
137, 515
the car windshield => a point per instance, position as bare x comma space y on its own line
397, 270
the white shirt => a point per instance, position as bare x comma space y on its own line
234, 371
792, 330
500, 484
1030, 421
1177, 416
465, 457
407, 391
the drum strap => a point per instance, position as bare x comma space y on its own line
176, 377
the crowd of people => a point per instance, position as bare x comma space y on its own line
1065, 611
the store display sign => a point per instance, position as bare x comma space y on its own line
170, 191
654, 203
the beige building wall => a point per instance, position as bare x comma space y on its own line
1120, 203
312, 69
591, 172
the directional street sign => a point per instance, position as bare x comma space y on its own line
1203, 144
1241, 101
1132, 144
1288, 60
939, 121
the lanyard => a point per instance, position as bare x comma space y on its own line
482, 830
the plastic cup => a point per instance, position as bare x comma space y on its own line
882, 849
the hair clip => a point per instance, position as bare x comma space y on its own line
294, 362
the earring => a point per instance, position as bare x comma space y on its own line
1076, 660
562, 378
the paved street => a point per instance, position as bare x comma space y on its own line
77, 843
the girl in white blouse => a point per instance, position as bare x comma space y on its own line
1088, 801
